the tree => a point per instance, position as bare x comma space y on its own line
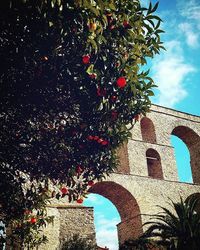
178, 228
71, 82
71, 87
23, 210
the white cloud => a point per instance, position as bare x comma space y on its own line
170, 72
106, 232
107, 238
105, 223
106, 218
94, 200
189, 9
191, 37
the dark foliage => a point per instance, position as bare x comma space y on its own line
173, 229
78, 243
70, 84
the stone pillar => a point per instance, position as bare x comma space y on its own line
129, 229
68, 221
76, 220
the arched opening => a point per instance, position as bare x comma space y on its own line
154, 164
106, 218
182, 156
148, 130
192, 141
127, 206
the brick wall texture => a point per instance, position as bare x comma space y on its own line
147, 177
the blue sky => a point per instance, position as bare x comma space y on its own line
177, 74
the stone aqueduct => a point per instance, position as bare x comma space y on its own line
147, 177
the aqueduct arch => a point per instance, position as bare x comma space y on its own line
126, 205
132, 189
192, 141
148, 130
154, 164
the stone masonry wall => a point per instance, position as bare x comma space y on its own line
147, 191
134, 193
77, 220
68, 221
165, 121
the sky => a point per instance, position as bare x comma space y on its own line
176, 71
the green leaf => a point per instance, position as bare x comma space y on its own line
149, 9
94, 10
154, 17
150, 21
159, 31
150, 92
90, 69
93, 44
155, 7
158, 24
112, 6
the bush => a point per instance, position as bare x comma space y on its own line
78, 243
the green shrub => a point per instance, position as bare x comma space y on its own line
77, 243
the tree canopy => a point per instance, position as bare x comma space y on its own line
71, 88
71, 85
